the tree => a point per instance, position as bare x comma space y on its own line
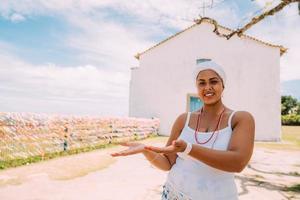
298, 108
254, 20
289, 105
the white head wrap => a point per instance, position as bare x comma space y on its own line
204, 64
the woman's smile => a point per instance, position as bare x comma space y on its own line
209, 94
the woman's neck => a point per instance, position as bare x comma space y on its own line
213, 109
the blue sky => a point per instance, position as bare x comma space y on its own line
74, 57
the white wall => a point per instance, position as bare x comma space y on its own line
159, 86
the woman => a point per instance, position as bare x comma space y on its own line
205, 147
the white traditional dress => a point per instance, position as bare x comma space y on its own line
191, 179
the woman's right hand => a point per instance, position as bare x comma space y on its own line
133, 148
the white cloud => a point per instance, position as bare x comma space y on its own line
170, 13
110, 44
284, 29
152, 16
91, 89
17, 17
113, 44
267, 3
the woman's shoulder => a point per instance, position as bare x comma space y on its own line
182, 117
242, 116
179, 124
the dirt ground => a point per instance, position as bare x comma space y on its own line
97, 175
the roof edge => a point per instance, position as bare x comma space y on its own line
208, 20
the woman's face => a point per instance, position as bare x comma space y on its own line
209, 86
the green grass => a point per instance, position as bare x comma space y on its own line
33, 159
293, 188
290, 139
291, 134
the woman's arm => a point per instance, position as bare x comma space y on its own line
158, 159
239, 150
234, 159
166, 161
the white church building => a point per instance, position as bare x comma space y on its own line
163, 86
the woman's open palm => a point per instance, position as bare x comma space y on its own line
175, 147
133, 148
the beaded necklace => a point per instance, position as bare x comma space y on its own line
198, 122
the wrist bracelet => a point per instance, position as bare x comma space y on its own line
188, 148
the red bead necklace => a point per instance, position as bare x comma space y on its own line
198, 122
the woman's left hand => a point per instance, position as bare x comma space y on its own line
176, 146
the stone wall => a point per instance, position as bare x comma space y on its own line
24, 134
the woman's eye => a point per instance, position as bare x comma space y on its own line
214, 82
201, 83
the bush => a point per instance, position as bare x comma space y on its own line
289, 105
290, 120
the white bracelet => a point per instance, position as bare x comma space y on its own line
188, 148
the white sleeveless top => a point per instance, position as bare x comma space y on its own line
196, 180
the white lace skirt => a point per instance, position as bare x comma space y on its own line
171, 193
